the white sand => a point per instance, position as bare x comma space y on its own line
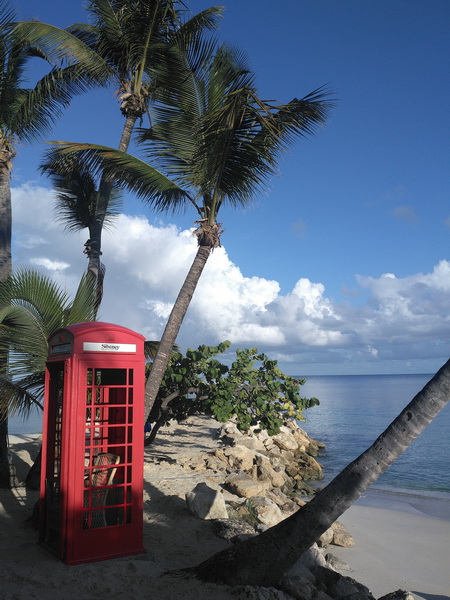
399, 545
394, 548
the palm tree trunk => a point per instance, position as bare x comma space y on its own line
173, 327
95, 266
262, 560
5, 272
5, 474
5, 222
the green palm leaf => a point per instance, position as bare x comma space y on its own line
213, 139
78, 193
63, 49
22, 396
147, 182
32, 307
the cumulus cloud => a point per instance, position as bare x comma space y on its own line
402, 319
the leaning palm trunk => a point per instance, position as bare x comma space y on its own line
262, 560
173, 326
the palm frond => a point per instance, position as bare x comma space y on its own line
20, 397
78, 192
83, 307
151, 348
7, 18
212, 138
40, 107
207, 19
32, 307
161, 192
63, 49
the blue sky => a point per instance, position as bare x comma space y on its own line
343, 266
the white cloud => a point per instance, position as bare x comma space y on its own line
50, 265
403, 318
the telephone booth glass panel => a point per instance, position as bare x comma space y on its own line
108, 451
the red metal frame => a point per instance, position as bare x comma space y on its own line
92, 450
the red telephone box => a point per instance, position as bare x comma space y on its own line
93, 443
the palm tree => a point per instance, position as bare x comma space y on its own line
26, 114
262, 560
77, 201
132, 38
213, 141
32, 307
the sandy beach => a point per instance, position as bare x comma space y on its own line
400, 541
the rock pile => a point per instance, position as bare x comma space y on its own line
264, 479
265, 474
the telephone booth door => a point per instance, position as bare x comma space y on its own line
92, 471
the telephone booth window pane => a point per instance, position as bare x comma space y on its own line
109, 425
111, 377
129, 454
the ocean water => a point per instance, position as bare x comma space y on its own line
19, 424
355, 409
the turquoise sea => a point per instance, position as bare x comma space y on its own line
355, 409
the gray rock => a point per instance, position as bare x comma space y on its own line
206, 502
244, 486
297, 586
267, 511
229, 433
341, 536
266, 472
262, 593
252, 443
285, 440
313, 558
326, 538
286, 504
398, 595
336, 563
340, 587
232, 529
302, 571
240, 457
356, 596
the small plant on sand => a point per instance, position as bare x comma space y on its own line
245, 512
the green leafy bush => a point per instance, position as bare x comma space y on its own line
253, 390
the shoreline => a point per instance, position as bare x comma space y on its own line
411, 502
